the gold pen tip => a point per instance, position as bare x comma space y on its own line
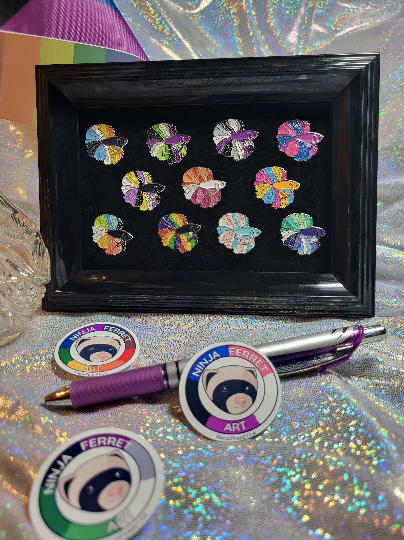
64, 393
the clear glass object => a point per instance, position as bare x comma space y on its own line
24, 269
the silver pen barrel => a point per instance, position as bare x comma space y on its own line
298, 347
373, 333
318, 343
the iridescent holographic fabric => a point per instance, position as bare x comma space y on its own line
331, 465
179, 29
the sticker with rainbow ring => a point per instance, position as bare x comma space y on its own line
98, 348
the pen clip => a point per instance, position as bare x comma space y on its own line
316, 363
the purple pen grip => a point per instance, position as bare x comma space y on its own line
116, 386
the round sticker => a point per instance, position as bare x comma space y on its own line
230, 392
97, 349
104, 483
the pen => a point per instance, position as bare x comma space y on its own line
294, 356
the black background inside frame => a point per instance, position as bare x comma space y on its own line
338, 278
100, 188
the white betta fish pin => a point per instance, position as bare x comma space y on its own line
232, 140
201, 188
236, 234
230, 392
101, 484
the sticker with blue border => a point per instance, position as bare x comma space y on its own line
95, 349
103, 483
230, 392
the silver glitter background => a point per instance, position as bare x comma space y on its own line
331, 465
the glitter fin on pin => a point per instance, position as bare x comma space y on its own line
297, 141
166, 144
273, 187
140, 191
103, 145
200, 187
236, 234
299, 234
232, 140
109, 235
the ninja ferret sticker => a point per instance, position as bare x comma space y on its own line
104, 483
97, 349
230, 392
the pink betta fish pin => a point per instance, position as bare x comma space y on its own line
273, 187
232, 140
200, 187
297, 141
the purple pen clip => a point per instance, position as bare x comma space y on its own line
317, 363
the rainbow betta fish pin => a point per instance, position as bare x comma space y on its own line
103, 145
176, 233
166, 144
236, 234
109, 235
140, 191
232, 140
297, 141
299, 234
200, 187
273, 187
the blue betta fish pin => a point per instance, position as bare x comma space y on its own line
236, 234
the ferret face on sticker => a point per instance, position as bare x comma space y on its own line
97, 348
99, 484
232, 389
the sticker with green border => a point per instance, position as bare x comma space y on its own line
104, 483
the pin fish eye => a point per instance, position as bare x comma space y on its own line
90, 489
247, 388
223, 389
118, 474
91, 348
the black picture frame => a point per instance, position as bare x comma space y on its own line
349, 83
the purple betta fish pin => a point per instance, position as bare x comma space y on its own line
232, 140
297, 141
140, 191
299, 234
166, 144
